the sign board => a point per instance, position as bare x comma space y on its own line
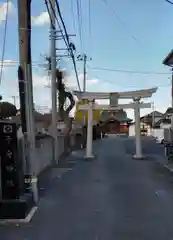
9, 161
27, 182
113, 99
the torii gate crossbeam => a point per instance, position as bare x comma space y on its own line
136, 105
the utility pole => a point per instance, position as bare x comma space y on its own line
84, 71
25, 86
53, 81
84, 58
14, 99
172, 98
153, 115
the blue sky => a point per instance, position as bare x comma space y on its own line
131, 35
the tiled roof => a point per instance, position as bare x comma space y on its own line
120, 116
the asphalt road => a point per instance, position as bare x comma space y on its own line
111, 198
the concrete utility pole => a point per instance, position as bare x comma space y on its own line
14, 99
168, 61
153, 114
84, 73
172, 99
84, 58
53, 81
25, 84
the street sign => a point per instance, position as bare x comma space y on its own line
9, 161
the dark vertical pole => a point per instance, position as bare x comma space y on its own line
24, 23
172, 100
84, 82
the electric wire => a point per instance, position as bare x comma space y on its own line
70, 49
89, 17
122, 23
79, 22
72, 13
54, 13
132, 86
48, 11
129, 71
169, 2
4, 39
65, 38
81, 19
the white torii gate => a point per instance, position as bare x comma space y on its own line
136, 105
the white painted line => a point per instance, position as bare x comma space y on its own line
18, 221
167, 167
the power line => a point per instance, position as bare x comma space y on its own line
129, 71
135, 86
69, 44
4, 39
132, 86
48, 11
89, 17
72, 13
79, 21
66, 37
122, 23
54, 13
169, 2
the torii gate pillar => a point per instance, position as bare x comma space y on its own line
89, 150
138, 154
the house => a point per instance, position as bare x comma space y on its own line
39, 120
163, 123
43, 122
145, 128
147, 122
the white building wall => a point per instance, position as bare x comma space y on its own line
132, 130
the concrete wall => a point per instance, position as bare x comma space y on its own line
43, 154
157, 133
132, 130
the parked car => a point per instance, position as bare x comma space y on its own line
160, 140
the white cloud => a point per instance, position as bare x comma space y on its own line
3, 10
71, 81
92, 81
8, 63
40, 81
42, 95
41, 20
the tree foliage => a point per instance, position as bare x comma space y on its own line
7, 110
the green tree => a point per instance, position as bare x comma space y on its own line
7, 110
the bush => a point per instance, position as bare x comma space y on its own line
7, 110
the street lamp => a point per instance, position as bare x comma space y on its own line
168, 61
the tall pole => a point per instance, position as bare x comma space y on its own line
84, 73
84, 58
153, 115
25, 85
89, 153
23, 45
14, 100
53, 82
138, 154
172, 100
